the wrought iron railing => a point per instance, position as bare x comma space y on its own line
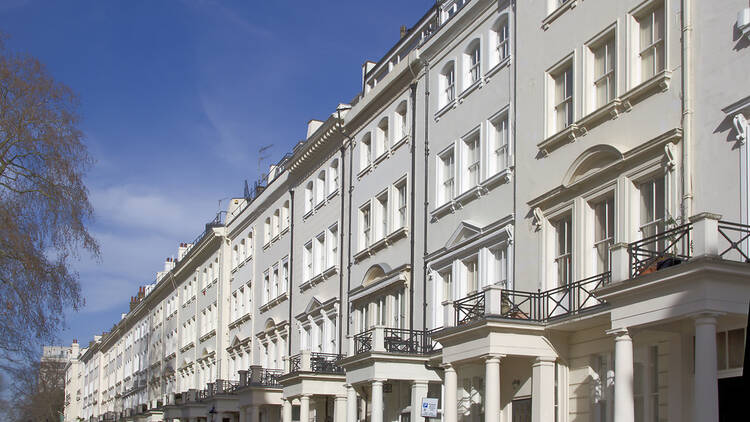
404, 340
737, 238
659, 251
469, 308
269, 377
363, 342
295, 363
226, 386
563, 301
326, 363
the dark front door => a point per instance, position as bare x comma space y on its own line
522, 410
732, 399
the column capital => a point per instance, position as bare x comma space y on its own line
379, 381
621, 333
420, 382
339, 397
495, 357
305, 396
708, 317
448, 367
544, 360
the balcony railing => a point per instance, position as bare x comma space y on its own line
559, 302
394, 340
705, 235
262, 377
363, 342
661, 250
322, 363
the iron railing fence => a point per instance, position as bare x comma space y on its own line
661, 250
540, 306
363, 342
734, 243
326, 363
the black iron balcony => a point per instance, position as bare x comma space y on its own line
563, 301
322, 363
394, 340
363, 341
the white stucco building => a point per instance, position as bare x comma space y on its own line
533, 211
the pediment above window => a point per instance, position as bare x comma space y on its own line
465, 231
590, 162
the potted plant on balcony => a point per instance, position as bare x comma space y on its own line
670, 256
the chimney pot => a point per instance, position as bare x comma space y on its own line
403, 31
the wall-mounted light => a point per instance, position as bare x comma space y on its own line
516, 384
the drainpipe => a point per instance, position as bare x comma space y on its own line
514, 175
426, 201
687, 108
413, 198
289, 288
341, 255
350, 144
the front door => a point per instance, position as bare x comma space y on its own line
521, 410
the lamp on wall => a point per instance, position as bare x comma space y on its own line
516, 384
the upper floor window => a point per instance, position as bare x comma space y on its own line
267, 231
333, 176
381, 201
320, 188
604, 232
332, 245
471, 275
564, 250
653, 211
365, 152
502, 39
400, 214
266, 287
473, 61
364, 219
276, 223
448, 84
402, 125
563, 97
381, 145
319, 253
471, 160
284, 274
605, 82
307, 260
499, 143
651, 42
285, 215
309, 198
446, 177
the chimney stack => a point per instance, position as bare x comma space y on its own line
403, 31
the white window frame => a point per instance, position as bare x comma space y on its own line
563, 71
446, 176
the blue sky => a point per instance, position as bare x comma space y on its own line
177, 98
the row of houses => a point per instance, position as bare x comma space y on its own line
532, 211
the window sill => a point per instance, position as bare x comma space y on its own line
333, 194
496, 68
284, 231
239, 320
273, 302
248, 258
448, 207
234, 270
319, 205
400, 142
499, 178
267, 244
364, 171
307, 215
565, 136
187, 347
381, 243
606, 112
380, 158
470, 194
571, 4
469, 89
327, 273
657, 83
451, 105
208, 335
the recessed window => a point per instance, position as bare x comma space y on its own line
564, 250
276, 223
333, 176
471, 274
502, 39
307, 260
448, 84
499, 134
605, 82
320, 187
285, 215
309, 198
365, 231
653, 209
319, 253
471, 160
562, 106
604, 229
473, 58
381, 145
651, 42
400, 214
332, 245
365, 151
402, 126
446, 176
382, 215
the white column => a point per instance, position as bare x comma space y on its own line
243, 414
418, 392
492, 388
339, 409
450, 405
251, 414
286, 410
543, 389
304, 408
377, 401
351, 404
706, 402
623, 376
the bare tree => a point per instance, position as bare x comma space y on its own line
38, 392
44, 206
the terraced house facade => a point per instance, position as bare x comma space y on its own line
532, 211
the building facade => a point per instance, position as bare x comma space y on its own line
532, 211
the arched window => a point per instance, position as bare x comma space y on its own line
333, 176
448, 83
320, 188
365, 151
473, 62
309, 197
501, 39
402, 127
381, 145
285, 215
